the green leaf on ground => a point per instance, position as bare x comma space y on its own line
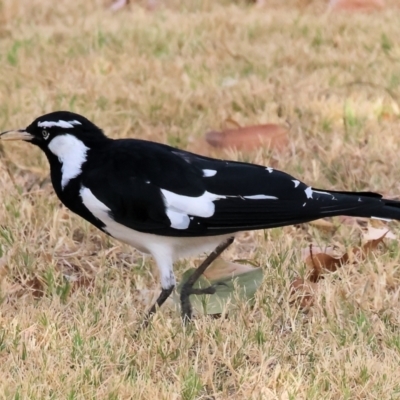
229, 291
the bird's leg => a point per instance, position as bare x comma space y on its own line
165, 293
168, 282
187, 287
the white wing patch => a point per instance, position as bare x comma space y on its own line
71, 153
60, 123
296, 182
270, 170
309, 192
260, 197
207, 173
179, 207
329, 194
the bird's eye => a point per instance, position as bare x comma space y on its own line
45, 134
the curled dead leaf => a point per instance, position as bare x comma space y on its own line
321, 263
373, 233
222, 269
303, 291
250, 137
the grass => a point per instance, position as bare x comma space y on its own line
172, 75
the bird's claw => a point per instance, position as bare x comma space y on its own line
208, 290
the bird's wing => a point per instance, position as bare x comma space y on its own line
158, 189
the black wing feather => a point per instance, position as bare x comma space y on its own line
138, 170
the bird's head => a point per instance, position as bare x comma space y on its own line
56, 130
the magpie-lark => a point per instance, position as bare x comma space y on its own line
172, 203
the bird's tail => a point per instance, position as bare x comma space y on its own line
359, 204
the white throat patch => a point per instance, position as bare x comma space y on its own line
71, 153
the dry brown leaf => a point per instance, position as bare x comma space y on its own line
303, 291
378, 233
221, 269
377, 223
250, 137
356, 5
314, 249
360, 253
322, 262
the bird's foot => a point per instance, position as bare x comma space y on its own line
188, 290
165, 293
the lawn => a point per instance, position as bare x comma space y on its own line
72, 298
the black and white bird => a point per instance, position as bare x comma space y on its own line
171, 203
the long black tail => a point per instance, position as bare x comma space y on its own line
358, 204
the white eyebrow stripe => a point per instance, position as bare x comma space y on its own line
60, 124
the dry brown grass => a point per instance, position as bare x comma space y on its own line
171, 76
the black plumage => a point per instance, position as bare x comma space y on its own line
171, 203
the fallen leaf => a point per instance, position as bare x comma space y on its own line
378, 233
222, 269
356, 5
236, 282
250, 137
229, 290
303, 291
314, 249
321, 263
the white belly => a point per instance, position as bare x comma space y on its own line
170, 246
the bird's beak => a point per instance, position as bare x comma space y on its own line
20, 134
